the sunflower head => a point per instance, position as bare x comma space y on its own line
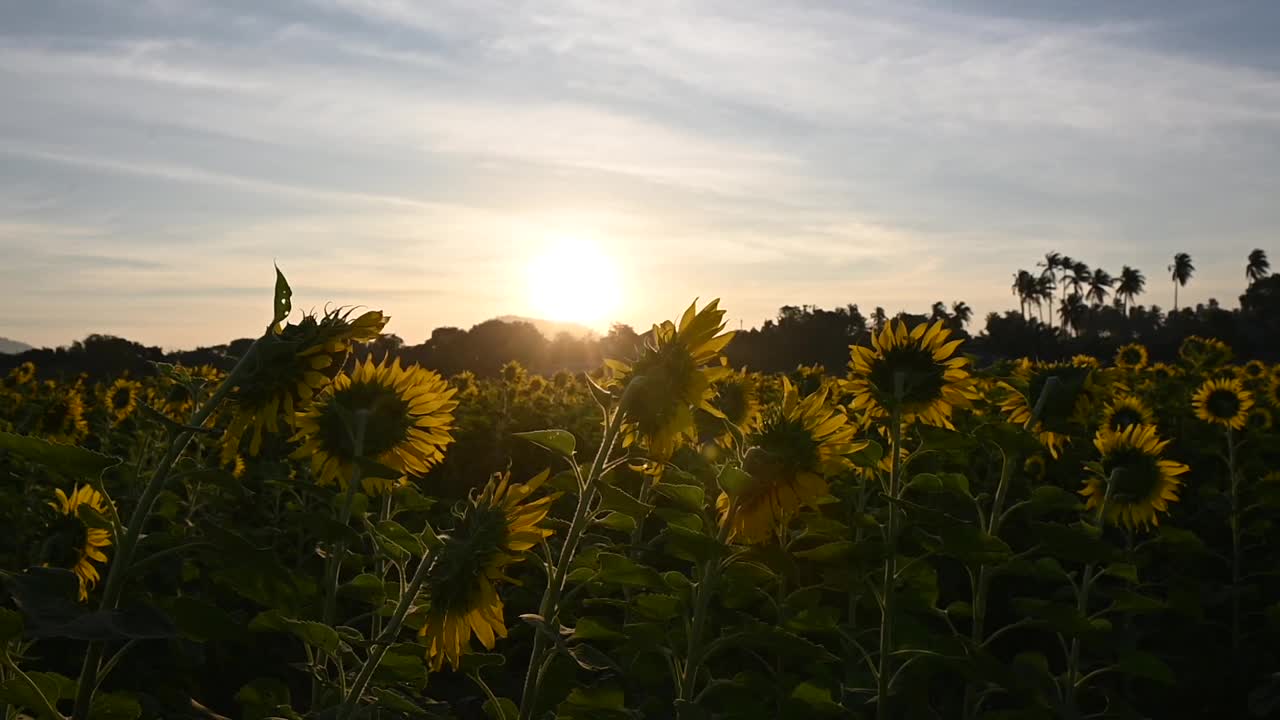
537, 384
1260, 420
1132, 482
121, 399
915, 372
1126, 410
495, 529
561, 379
1088, 361
1131, 357
290, 365
796, 447
62, 417
465, 383
398, 417
1254, 369
1223, 402
737, 398
808, 378
73, 545
672, 377
1035, 467
513, 373
1273, 393
1160, 373
1204, 353
1065, 393
23, 374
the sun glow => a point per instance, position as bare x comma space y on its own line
572, 280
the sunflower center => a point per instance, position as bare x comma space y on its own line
1222, 404
387, 420
67, 539
120, 398
1060, 405
1134, 475
923, 377
465, 557
54, 418
733, 401
1124, 417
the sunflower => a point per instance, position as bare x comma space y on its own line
1126, 410
737, 399
1131, 357
1160, 373
1142, 483
671, 378
1273, 393
513, 373
1223, 402
1204, 352
62, 419
465, 383
934, 380
1065, 411
408, 414
495, 529
23, 374
1260, 419
74, 545
1254, 369
122, 399
1035, 467
1088, 361
795, 448
290, 366
808, 378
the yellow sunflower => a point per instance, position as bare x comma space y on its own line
1273, 393
121, 399
408, 414
290, 366
1126, 410
1088, 361
1131, 357
796, 447
1160, 373
24, 373
934, 380
495, 530
671, 378
1223, 402
1142, 483
62, 418
1204, 352
737, 399
1035, 467
1066, 410
1260, 419
1254, 369
74, 545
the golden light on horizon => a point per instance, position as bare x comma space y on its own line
573, 280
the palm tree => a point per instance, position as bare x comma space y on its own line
1072, 311
961, 311
1078, 278
1132, 284
1024, 286
1181, 270
1043, 293
939, 312
1052, 261
1258, 267
1100, 282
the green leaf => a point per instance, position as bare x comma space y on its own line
1126, 600
505, 709
68, 460
777, 640
598, 697
1051, 498
1061, 617
53, 686
733, 481
658, 606
1077, 542
1123, 571
315, 634
561, 442
10, 625
687, 497
374, 470
828, 553
396, 541
683, 519
617, 521
588, 628
816, 699
618, 500
972, 545
869, 456
282, 301
687, 544
404, 663
408, 498
114, 706
925, 482
203, 621
620, 570
1145, 665
365, 588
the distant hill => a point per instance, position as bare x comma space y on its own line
12, 347
550, 328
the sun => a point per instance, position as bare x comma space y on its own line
572, 280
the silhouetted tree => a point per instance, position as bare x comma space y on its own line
1258, 266
1181, 271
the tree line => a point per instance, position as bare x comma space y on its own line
1095, 311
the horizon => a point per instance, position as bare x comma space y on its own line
158, 157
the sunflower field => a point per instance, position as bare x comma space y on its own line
312, 531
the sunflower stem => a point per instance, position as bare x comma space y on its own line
983, 585
708, 579
87, 683
1074, 681
548, 608
384, 640
885, 671
1235, 544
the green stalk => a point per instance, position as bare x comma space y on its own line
884, 674
983, 588
1082, 605
118, 571
384, 640
548, 608
1235, 544
709, 578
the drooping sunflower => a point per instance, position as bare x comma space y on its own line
495, 529
408, 414
1260, 419
121, 399
797, 446
1066, 410
934, 380
1126, 410
671, 378
62, 417
73, 545
1132, 357
1223, 402
1142, 483
24, 373
290, 367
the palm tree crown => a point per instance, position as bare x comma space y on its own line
1258, 267
1181, 271
1132, 283
1100, 283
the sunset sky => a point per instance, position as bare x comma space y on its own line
156, 156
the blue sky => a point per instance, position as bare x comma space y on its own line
157, 155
